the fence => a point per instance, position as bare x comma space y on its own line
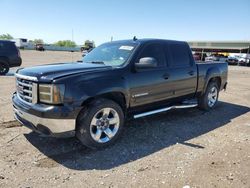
54, 48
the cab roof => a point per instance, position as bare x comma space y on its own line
147, 40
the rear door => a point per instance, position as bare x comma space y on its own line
182, 68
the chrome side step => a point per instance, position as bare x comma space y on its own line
164, 110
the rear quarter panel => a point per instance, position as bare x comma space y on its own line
206, 71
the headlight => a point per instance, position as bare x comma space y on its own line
51, 93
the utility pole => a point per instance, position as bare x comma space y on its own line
72, 35
72, 38
202, 54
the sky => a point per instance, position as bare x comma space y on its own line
99, 20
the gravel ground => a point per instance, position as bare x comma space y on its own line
173, 149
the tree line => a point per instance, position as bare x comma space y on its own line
62, 43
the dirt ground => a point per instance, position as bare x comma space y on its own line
173, 149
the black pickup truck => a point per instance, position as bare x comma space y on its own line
115, 81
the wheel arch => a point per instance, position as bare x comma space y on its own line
116, 96
216, 79
213, 75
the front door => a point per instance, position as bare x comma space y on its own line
151, 84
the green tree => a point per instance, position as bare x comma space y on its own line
6, 36
65, 43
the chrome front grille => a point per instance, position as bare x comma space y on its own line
26, 88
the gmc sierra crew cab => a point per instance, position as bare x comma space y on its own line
115, 81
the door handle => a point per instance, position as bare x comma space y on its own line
166, 76
191, 73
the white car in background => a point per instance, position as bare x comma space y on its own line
244, 61
232, 60
212, 58
216, 57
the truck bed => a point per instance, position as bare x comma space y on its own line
211, 69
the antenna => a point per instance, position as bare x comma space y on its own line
134, 39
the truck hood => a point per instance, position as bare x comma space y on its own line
53, 71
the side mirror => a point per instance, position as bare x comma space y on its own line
146, 62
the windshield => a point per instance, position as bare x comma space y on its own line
111, 54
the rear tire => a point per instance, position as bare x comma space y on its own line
210, 98
100, 123
4, 67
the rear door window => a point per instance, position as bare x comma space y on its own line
180, 56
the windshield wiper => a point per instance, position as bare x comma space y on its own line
97, 62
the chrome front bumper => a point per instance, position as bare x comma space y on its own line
46, 126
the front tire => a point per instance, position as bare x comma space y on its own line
4, 67
100, 123
210, 98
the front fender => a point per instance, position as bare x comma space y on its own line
81, 89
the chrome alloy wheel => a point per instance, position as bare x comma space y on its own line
104, 125
212, 96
